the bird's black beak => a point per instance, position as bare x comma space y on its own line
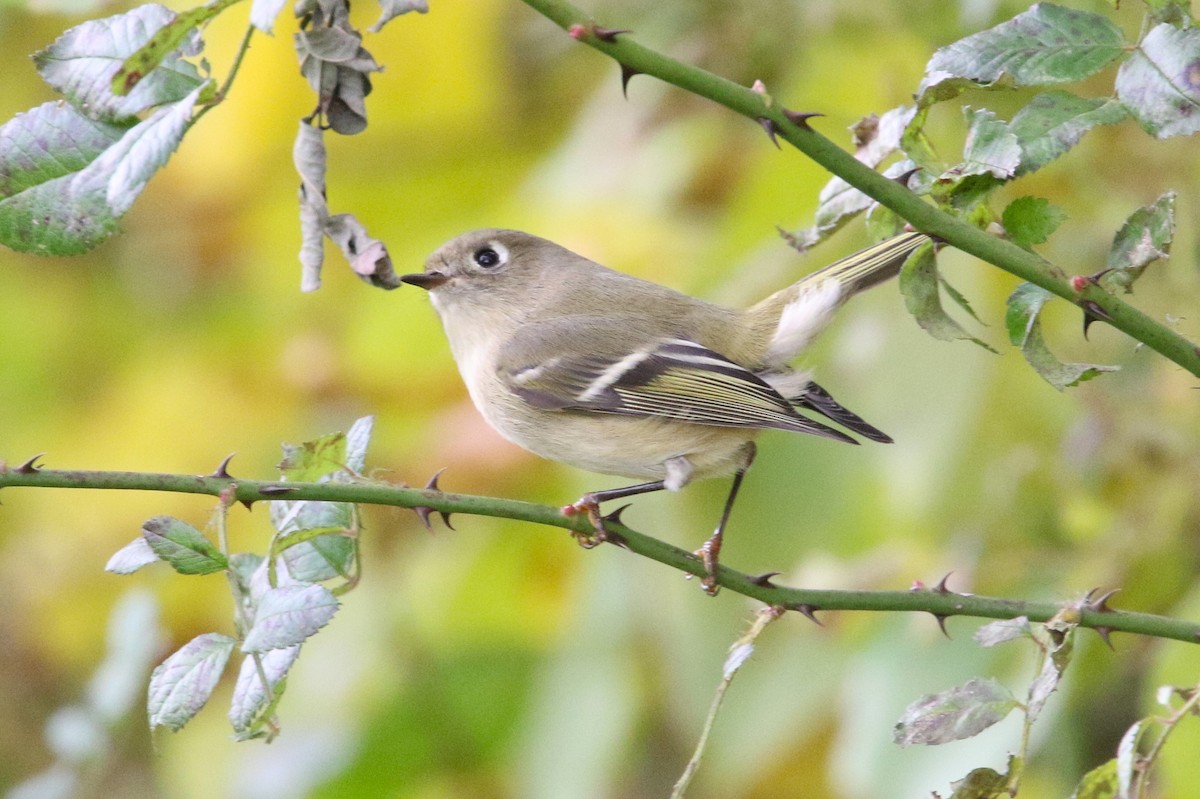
425, 280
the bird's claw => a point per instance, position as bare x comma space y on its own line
598, 535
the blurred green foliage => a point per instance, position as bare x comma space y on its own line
501, 660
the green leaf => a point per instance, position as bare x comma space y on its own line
1046, 44
250, 703
961, 712
1160, 82
82, 62
73, 212
182, 683
1054, 122
990, 149
919, 284
1024, 330
1099, 783
287, 615
177, 36
1145, 237
50, 141
131, 557
182, 546
1031, 220
981, 783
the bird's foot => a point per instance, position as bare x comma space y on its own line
590, 505
709, 555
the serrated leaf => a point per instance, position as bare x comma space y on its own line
287, 615
1127, 757
74, 212
82, 62
1160, 82
919, 284
390, 9
1046, 44
1099, 783
312, 460
1145, 237
991, 148
179, 36
961, 712
999, 632
182, 546
182, 683
50, 141
131, 557
249, 695
322, 558
1031, 220
1053, 122
1025, 331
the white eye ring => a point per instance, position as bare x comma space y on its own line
492, 255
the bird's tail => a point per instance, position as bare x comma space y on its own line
789, 319
871, 266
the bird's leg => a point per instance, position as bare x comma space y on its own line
589, 503
709, 554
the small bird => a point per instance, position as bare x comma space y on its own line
588, 366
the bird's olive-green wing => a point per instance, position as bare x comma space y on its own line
662, 376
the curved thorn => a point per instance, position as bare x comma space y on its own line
1104, 633
809, 612
764, 580
30, 466
608, 34
627, 72
423, 512
1100, 603
615, 516
249, 503
432, 485
445, 514
941, 620
772, 129
800, 118
222, 471
941, 586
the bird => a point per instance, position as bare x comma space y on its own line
604, 371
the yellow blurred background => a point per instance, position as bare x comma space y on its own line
500, 660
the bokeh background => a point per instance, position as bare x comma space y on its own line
501, 660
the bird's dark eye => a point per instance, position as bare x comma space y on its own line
487, 257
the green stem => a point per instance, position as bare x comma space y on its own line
923, 216
938, 602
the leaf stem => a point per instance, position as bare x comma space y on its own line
925, 217
939, 602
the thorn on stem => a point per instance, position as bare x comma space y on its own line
772, 130
1100, 603
608, 34
627, 72
30, 466
222, 471
1105, 635
800, 118
941, 621
809, 612
941, 586
424, 511
276, 491
1092, 313
764, 580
